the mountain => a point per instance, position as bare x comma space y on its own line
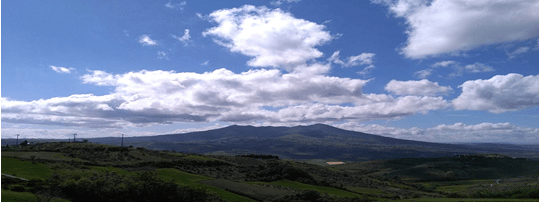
306, 142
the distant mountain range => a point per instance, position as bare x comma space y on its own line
310, 142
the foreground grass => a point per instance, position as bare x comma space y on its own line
25, 169
10, 196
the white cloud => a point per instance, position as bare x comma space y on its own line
448, 26
280, 2
478, 68
162, 55
499, 94
146, 40
460, 69
423, 73
274, 38
444, 64
100, 78
422, 87
163, 97
458, 132
205, 63
61, 69
176, 6
361, 59
518, 51
185, 38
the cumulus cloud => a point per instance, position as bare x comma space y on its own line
448, 26
458, 132
184, 38
499, 94
518, 51
147, 41
422, 87
274, 38
62, 69
163, 97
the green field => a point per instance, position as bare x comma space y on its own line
10, 196
363, 190
303, 186
25, 169
254, 191
466, 200
187, 179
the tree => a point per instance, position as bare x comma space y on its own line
24, 143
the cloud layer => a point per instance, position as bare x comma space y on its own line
422, 87
448, 26
267, 96
458, 132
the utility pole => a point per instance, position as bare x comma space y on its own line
18, 139
122, 140
75, 134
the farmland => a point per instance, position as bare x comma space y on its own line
58, 171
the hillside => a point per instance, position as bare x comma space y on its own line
96, 172
308, 142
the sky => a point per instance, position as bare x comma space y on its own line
438, 71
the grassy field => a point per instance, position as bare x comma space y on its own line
10, 196
465, 200
25, 169
187, 179
302, 186
363, 190
39, 155
250, 190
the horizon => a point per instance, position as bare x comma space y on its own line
432, 71
120, 137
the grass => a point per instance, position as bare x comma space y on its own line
11, 196
25, 169
322, 189
199, 158
363, 190
187, 179
180, 177
427, 199
39, 155
255, 191
110, 169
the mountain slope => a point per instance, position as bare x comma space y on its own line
304, 142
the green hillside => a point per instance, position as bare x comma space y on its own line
96, 172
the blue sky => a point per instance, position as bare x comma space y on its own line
440, 71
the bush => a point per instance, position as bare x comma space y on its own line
17, 188
142, 187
